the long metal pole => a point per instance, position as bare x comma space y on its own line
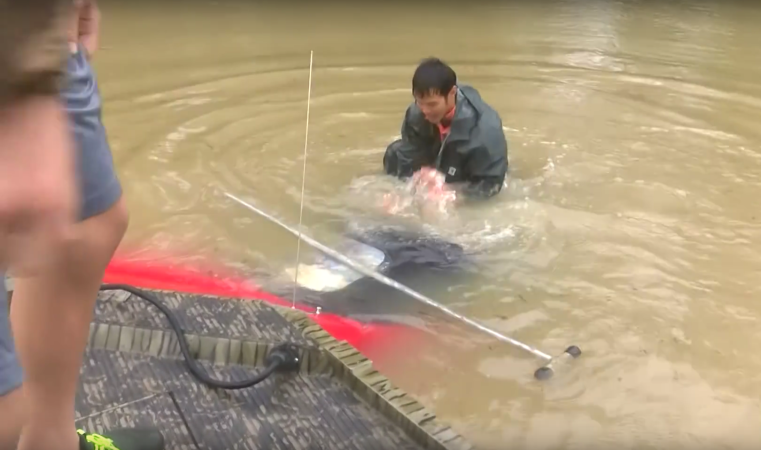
389, 282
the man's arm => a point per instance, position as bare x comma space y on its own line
486, 165
33, 47
408, 155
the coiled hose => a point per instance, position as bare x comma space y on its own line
282, 358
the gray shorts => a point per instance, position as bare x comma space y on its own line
99, 185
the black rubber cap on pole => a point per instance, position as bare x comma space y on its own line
573, 351
546, 372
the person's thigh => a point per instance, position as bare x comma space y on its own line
11, 375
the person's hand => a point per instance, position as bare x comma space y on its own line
437, 203
392, 203
431, 184
442, 194
38, 195
426, 178
86, 26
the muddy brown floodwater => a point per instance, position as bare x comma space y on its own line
628, 226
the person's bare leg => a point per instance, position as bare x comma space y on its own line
50, 316
12, 406
37, 190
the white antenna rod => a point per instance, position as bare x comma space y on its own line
303, 182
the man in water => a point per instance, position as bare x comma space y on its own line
449, 135
61, 219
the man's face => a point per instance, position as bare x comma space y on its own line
434, 105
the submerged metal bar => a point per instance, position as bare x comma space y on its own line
389, 282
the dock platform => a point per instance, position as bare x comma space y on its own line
134, 375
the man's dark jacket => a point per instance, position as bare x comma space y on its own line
474, 152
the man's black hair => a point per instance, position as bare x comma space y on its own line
433, 76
